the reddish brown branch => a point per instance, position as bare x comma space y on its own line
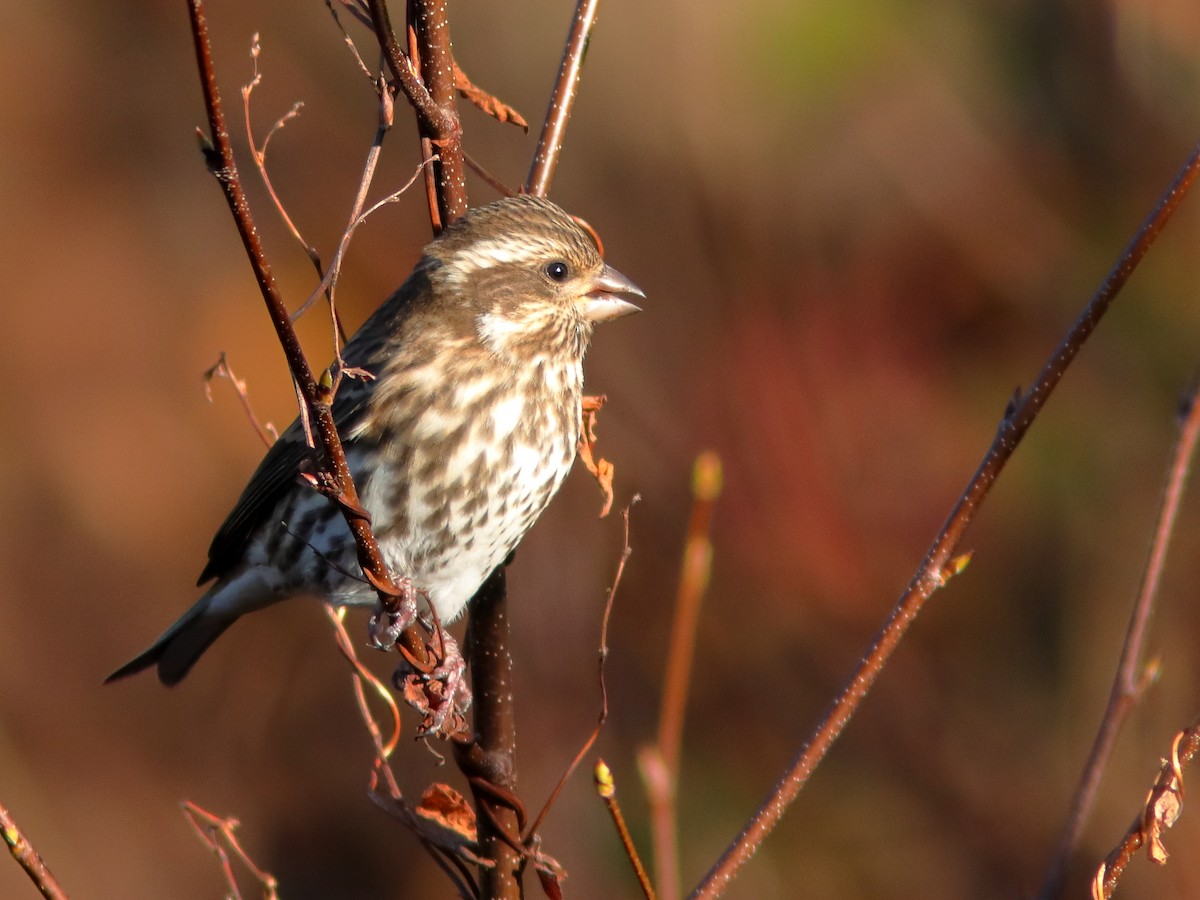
491, 757
562, 101
28, 858
938, 563
1132, 676
432, 31
316, 405
429, 113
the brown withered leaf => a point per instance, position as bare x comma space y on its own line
446, 807
489, 103
601, 469
427, 697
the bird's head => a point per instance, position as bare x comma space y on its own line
527, 277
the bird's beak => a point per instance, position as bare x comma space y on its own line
602, 304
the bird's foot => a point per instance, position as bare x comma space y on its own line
386, 626
438, 688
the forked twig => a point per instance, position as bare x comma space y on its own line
220, 369
938, 564
217, 832
28, 858
1132, 676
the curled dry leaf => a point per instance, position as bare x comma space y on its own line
427, 696
445, 808
490, 104
601, 469
1162, 809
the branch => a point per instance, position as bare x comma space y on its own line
490, 760
218, 152
28, 858
562, 101
939, 564
1132, 677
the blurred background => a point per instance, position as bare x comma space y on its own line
860, 225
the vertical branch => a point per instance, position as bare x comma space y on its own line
492, 767
432, 28
562, 101
1132, 678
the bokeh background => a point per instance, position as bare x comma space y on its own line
860, 226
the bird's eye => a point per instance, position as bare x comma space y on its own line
558, 271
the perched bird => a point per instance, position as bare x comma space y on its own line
457, 440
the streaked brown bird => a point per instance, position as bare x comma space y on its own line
457, 443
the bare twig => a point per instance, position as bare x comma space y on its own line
259, 154
1132, 676
364, 676
562, 101
1163, 805
28, 858
217, 832
220, 369
626, 550
938, 564
606, 787
659, 764
316, 402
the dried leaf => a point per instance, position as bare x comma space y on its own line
490, 104
601, 469
446, 807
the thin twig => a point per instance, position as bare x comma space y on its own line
216, 832
606, 787
562, 101
1132, 676
220, 369
938, 564
363, 675
317, 403
602, 716
1164, 802
659, 764
259, 154
28, 858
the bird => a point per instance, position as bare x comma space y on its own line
460, 425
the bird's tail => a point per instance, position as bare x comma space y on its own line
178, 648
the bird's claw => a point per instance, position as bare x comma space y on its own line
386, 627
441, 694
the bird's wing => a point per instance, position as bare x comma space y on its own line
277, 474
